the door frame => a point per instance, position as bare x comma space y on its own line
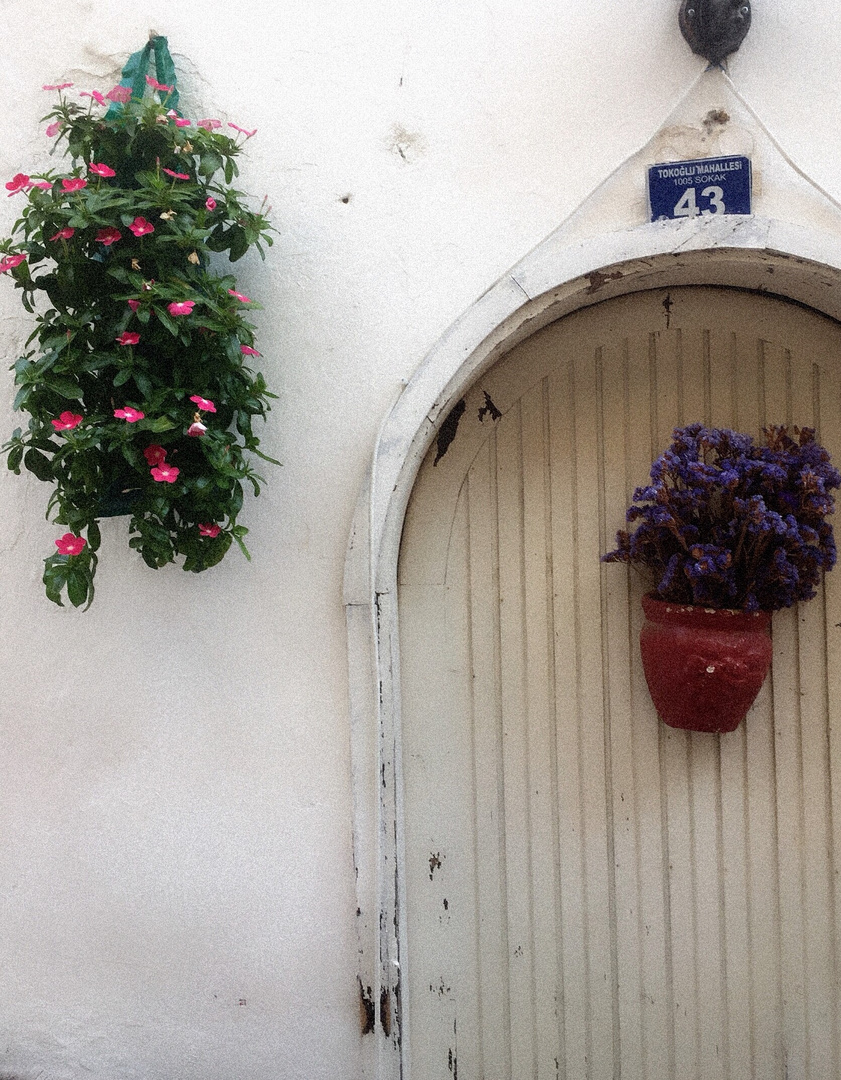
764, 255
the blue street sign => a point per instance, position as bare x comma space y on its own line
706, 186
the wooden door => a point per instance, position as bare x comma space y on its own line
585, 892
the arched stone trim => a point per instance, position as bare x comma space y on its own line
775, 257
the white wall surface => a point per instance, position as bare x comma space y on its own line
176, 878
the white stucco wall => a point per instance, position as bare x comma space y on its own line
176, 880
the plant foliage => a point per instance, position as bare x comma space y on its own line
730, 524
137, 385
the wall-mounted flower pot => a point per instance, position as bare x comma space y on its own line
704, 666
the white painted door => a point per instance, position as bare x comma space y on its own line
587, 893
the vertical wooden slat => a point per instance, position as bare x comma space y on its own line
829, 426
668, 361
452, 885
576, 1024
732, 781
515, 740
432, 843
693, 779
488, 807
629, 905
594, 792
766, 997
815, 813
709, 369
726, 397
775, 369
540, 698
657, 988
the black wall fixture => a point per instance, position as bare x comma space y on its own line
714, 28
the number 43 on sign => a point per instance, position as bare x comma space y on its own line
687, 204
703, 188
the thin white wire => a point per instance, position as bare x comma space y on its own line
778, 147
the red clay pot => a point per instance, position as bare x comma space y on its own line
704, 666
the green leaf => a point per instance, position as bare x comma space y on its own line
77, 586
149, 559
219, 239
210, 163
214, 552
38, 464
265, 457
55, 577
122, 376
239, 532
14, 459
239, 243
94, 536
143, 384
168, 321
64, 385
161, 423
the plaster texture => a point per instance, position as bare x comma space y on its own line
177, 886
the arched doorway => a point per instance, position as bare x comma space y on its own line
552, 282
589, 893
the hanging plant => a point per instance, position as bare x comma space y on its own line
727, 532
138, 386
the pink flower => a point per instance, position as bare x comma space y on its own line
9, 262
154, 454
246, 350
109, 235
209, 529
181, 121
197, 428
95, 94
119, 94
63, 234
209, 124
128, 337
182, 308
54, 129
134, 304
239, 296
44, 185
70, 544
177, 175
67, 421
75, 183
203, 403
210, 203
140, 226
59, 86
101, 170
158, 86
18, 182
129, 414
247, 134
167, 474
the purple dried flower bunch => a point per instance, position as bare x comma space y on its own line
729, 524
